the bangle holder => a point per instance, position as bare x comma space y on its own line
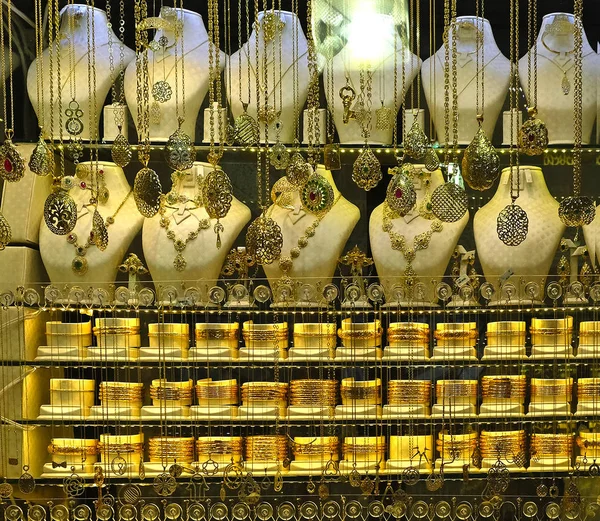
551, 338
505, 341
167, 341
69, 399
455, 341
589, 340
66, 341
410, 451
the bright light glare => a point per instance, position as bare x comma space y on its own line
370, 34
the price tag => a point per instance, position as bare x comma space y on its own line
506, 275
462, 280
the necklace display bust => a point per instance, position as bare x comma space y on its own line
58, 253
317, 261
373, 54
496, 79
78, 54
285, 66
429, 263
190, 85
556, 87
203, 260
543, 238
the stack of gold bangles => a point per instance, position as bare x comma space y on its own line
164, 448
551, 390
456, 446
116, 449
309, 448
363, 334
449, 390
401, 392
589, 444
416, 333
368, 391
502, 444
315, 335
313, 393
548, 446
264, 332
266, 448
82, 449
164, 391
212, 447
261, 392
222, 392
509, 387
216, 332
456, 333
588, 390
506, 334
543, 329
116, 326
362, 448
130, 392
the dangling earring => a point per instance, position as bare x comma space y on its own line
586, 274
563, 269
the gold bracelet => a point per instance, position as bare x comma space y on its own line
217, 334
116, 330
120, 448
65, 450
344, 334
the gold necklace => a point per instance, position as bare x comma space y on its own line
286, 262
565, 84
398, 241
98, 237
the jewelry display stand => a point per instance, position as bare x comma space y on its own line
304, 355
556, 87
261, 354
63, 412
261, 412
308, 468
374, 55
170, 354
216, 354
359, 412
203, 260
369, 465
126, 412
60, 256
429, 263
191, 77
550, 465
410, 451
327, 413
549, 408
349, 354
408, 411
459, 344
497, 75
317, 262
112, 354
165, 412
287, 54
78, 51
260, 467
198, 412
407, 353
545, 232
500, 408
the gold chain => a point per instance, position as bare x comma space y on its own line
577, 94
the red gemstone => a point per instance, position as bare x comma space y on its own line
313, 196
398, 193
531, 137
82, 185
8, 166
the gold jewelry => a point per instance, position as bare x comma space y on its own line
400, 196
221, 391
399, 243
266, 448
171, 391
165, 449
313, 393
402, 392
505, 387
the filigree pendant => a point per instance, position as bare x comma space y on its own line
279, 156
5, 232
565, 84
331, 156
481, 163
217, 194
298, 171
533, 135
147, 191
99, 231
179, 262
575, 211
431, 160
264, 240
60, 212
41, 161
155, 112
179, 151
416, 142
246, 131
317, 195
162, 91
121, 150
512, 225
366, 171
74, 125
79, 265
12, 165
449, 202
384, 118
401, 196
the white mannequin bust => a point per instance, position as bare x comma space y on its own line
102, 266
591, 234
318, 260
554, 48
496, 80
429, 263
204, 260
543, 238
286, 52
74, 38
371, 51
161, 67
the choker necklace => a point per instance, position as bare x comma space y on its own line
286, 262
398, 241
98, 237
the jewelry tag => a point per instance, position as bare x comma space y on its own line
462, 280
506, 275
410, 216
296, 214
528, 177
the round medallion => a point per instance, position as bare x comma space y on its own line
118, 465
464, 511
552, 510
26, 481
331, 509
161, 91
410, 476
554, 290
264, 511
376, 509
317, 195
442, 509
575, 211
443, 291
286, 511
240, 511
164, 484
73, 485
36, 513
486, 509
264, 240
530, 509
128, 513
82, 513
261, 293
173, 511
105, 512
60, 212
13, 513
59, 513
330, 293
420, 509
130, 494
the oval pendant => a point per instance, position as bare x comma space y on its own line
217, 194
401, 196
449, 202
147, 191
298, 171
179, 151
100, 233
533, 137
317, 195
512, 225
60, 212
416, 142
121, 151
575, 211
264, 240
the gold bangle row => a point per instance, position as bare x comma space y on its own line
213, 447
88, 450
359, 392
117, 392
323, 448
167, 393
345, 334
503, 387
116, 330
265, 391
217, 392
455, 389
550, 331
266, 448
252, 335
309, 392
455, 335
543, 445
180, 449
121, 448
217, 334
351, 448
585, 443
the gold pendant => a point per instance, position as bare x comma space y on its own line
79, 265
384, 118
279, 156
575, 211
533, 135
264, 240
431, 160
12, 165
217, 194
317, 195
298, 171
246, 131
121, 150
99, 231
366, 171
449, 202
416, 142
155, 113
401, 196
60, 212
331, 156
565, 84
512, 225
179, 151
147, 191
41, 161
481, 163
5, 232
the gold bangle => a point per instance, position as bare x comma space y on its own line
217, 334
359, 335
116, 330
120, 448
65, 450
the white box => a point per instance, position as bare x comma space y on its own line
23, 202
21, 266
21, 331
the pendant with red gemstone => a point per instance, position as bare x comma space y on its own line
12, 165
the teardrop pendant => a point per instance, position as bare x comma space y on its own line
565, 84
41, 161
121, 150
5, 232
366, 171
